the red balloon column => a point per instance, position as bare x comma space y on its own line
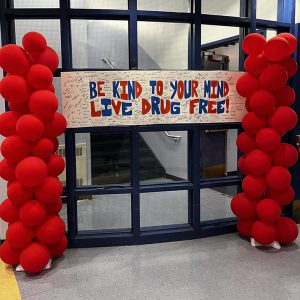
35, 231
265, 161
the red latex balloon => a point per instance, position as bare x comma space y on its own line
254, 64
51, 231
262, 102
242, 166
267, 139
51, 88
18, 235
290, 65
268, 210
49, 58
56, 165
283, 197
8, 212
9, 255
39, 77
254, 44
31, 171
244, 227
246, 85
33, 213
35, 257
43, 148
8, 121
276, 48
18, 193
43, 103
30, 127
56, 126
59, 248
55, 143
263, 233
257, 162
243, 207
253, 123
254, 186
286, 230
54, 208
7, 170
34, 42
50, 190
273, 77
21, 108
247, 104
278, 178
285, 155
14, 149
245, 142
283, 119
14, 89
13, 60
292, 41
285, 96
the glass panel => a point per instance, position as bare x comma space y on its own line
218, 153
266, 9
63, 213
100, 44
49, 28
102, 212
166, 5
164, 208
103, 158
163, 45
215, 202
100, 4
220, 45
223, 8
270, 33
163, 156
36, 3
296, 211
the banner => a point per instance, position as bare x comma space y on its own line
120, 98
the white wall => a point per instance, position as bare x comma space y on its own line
297, 11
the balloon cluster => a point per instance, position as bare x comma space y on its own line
265, 160
35, 231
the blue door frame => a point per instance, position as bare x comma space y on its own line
195, 227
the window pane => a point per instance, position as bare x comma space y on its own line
49, 28
100, 4
163, 45
224, 8
266, 9
163, 156
215, 202
63, 213
164, 208
102, 212
36, 3
166, 5
100, 44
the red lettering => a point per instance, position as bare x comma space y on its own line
180, 89
225, 89
145, 106
94, 113
138, 90
210, 108
99, 88
192, 105
165, 108
213, 85
194, 88
124, 94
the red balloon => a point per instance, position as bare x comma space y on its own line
18, 235
273, 77
33, 213
56, 165
50, 190
8, 121
263, 233
276, 48
49, 58
51, 231
258, 162
267, 139
246, 85
43, 148
54, 208
254, 44
14, 89
285, 155
34, 43
18, 193
8, 211
14, 149
242, 166
245, 142
56, 126
285, 96
13, 60
283, 119
59, 248
254, 186
254, 64
244, 227
283, 197
31, 171
35, 257
291, 40
243, 207
21, 108
39, 77
290, 65
247, 104
7, 170
286, 230
278, 178
55, 143
43, 103
9, 255
30, 127
262, 102
253, 123
51, 88
268, 210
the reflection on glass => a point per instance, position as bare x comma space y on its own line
100, 4
103, 212
36, 4
164, 208
166, 5
63, 212
266, 9
223, 8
